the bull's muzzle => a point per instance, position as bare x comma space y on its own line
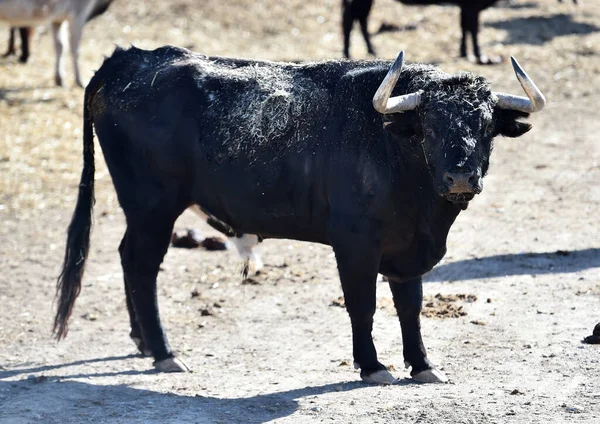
461, 187
461, 182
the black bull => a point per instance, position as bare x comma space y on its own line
298, 151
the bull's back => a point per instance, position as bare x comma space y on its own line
223, 134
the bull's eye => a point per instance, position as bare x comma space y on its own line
487, 128
429, 132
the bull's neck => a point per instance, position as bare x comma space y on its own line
415, 186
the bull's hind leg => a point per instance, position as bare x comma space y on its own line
408, 299
357, 255
136, 332
142, 251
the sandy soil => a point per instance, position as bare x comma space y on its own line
279, 349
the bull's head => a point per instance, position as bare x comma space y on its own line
458, 118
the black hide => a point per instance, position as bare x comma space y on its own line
287, 151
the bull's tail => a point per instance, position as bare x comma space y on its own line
78, 235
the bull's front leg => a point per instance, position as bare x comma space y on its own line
408, 300
358, 254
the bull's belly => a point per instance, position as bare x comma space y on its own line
269, 223
275, 203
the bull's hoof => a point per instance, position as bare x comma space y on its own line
379, 377
172, 364
430, 376
141, 347
252, 266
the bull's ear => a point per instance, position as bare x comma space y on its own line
510, 124
403, 125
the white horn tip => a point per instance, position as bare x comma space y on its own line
518, 70
398, 62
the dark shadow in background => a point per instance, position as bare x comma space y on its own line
18, 96
517, 5
538, 30
561, 261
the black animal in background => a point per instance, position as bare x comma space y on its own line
319, 152
25, 34
358, 10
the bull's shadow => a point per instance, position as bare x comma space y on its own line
538, 30
561, 261
52, 399
27, 370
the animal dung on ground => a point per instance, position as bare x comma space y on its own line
595, 337
445, 306
89, 316
190, 240
438, 306
206, 312
193, 239
339, 302
214, 243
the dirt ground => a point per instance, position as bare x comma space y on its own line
506, 310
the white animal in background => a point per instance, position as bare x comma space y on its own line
23, 13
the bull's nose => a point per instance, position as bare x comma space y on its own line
461, 182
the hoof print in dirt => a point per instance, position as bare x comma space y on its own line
595, 337
171, 365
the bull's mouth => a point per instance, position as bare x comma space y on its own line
460, 198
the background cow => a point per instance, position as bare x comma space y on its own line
56, 12
290, 151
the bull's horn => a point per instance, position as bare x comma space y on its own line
382, 101
535, 100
